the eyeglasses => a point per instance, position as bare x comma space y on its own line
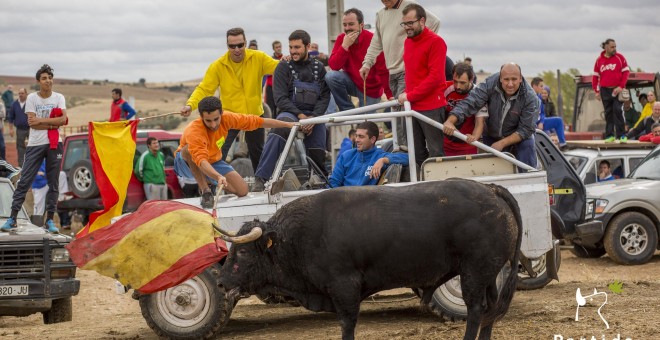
233, 46
408, 23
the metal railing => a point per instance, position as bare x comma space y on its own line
359, 115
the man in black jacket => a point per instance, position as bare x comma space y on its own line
300, 92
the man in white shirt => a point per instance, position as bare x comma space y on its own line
38, 108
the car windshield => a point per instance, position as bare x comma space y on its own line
5, 201
649, 168
576, 162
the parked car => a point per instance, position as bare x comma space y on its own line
36, 273
629, 210
585, 156
77, 165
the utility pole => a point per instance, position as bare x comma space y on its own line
335, 10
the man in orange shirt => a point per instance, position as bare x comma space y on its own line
199, 155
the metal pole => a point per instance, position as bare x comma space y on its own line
280, 161
412, 164
364, 109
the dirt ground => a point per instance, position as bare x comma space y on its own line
99, 313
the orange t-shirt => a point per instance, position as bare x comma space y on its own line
204, 144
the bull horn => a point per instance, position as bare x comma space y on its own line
254, 234
222, 231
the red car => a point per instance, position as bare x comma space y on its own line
78, 168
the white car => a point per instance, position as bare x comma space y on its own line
585, 156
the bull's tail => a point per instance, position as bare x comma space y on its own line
496, 312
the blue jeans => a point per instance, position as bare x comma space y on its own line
555, 124
525, 151
342, 87
182, 169
314, 143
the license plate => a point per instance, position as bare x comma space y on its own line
14, 290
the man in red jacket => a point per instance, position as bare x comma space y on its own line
424, 54
610, 76
654, 136
345, 61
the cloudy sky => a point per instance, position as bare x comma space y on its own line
125, 40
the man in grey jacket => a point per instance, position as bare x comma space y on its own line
512, 107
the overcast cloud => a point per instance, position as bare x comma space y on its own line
124, 40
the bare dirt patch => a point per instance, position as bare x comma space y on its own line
99, 313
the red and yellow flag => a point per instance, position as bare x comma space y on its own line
158, 246
111, 147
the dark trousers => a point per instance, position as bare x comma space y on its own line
270, 99
314, 143
615, 123
254, 140
428, 139
34, 156
3, 156
524, 151
22, 136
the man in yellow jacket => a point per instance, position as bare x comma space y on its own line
237, 75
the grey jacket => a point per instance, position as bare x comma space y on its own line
517, 114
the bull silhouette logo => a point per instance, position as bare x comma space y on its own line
582, 300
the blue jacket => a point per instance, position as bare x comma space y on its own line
353, 167
17, 116
40, 181
505, 116
346, 145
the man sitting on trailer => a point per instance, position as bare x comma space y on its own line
363, 165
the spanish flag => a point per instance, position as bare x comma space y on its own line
158, 246
111, 148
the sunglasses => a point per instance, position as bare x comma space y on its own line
233, 46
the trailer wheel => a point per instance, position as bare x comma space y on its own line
195, 309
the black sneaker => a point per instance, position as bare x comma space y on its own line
207, 199
258, 185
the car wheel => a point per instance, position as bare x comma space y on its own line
587, 252
61, 310
82, 181
195, 309
631, 238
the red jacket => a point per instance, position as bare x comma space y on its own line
452, 145
378, 80
650, 138
610, 72
424, 58
115, 110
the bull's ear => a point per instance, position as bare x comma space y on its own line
271, 238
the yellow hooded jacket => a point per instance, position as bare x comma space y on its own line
237, 95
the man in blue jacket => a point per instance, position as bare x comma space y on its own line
363, 165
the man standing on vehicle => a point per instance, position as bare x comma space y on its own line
300, 92
150, 170
364, 164
512, 106
345, 61
237, 75
119, 108
424, 57
38, 108
199, 155
17, 118
473, 126
389, 38
610, 76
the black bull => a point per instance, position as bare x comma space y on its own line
331, 250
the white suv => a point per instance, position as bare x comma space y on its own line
623, 158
